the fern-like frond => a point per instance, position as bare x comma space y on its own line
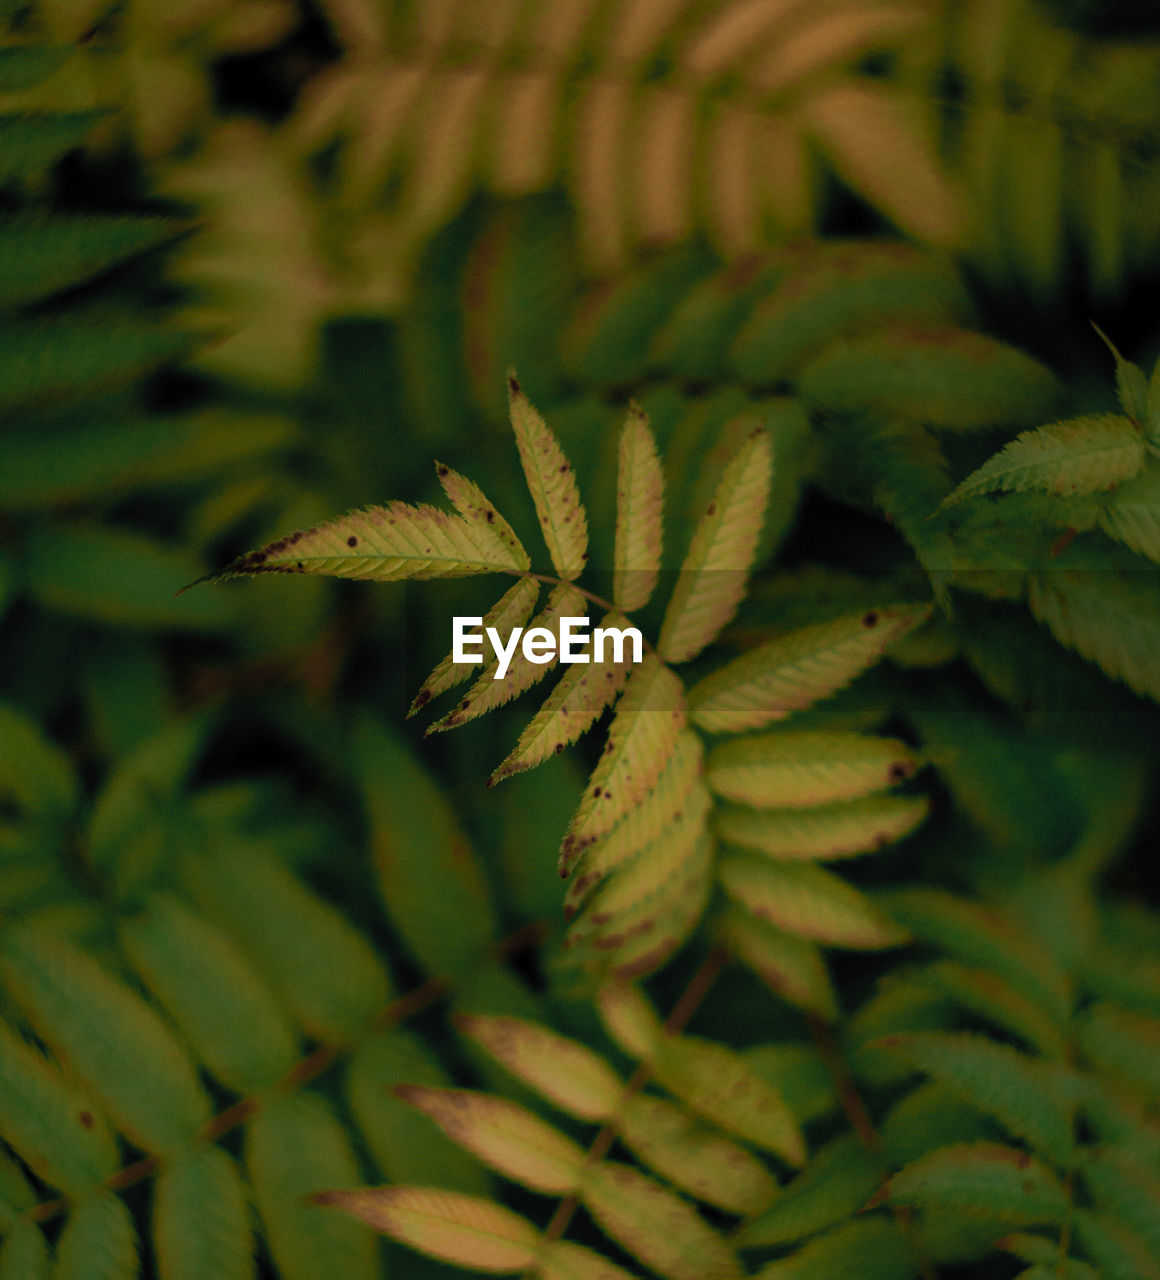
714, 573
1077, 456
552, 484
639, 503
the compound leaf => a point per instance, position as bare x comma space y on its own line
983, 1179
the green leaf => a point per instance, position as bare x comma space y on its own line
807, 900
930, 1117
712, 579
26, 66
98, 1242
1118, 1253
114, 1043
945, 378
460, 1229
225, 1011
693, 1156
639, 514
983, 1179
1131, 385
1127, 1188
201, 1218
871, 1249
1024, 1094
839, 830
562, 1260
837, 1182
718, 1083
1043, 1258
552, 484
116, 576
43, 257
296, 1147
513, 609
663, 1231
385, 544
793, 671
24, 1253
504, 1135
804, 769
34, 771
1123, 1043
1076, 456
31, 142
1131, 513
648, 720
569, 1074
49, 1122
45, 362
326, 972
430, 878
402, 1141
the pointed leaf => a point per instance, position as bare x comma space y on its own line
648, 720
512, 610
114, 1043
460, 1229
807, 900
487, 692
1131, 385
1076, 456
472, 504
694, 1156
99, 1242
837, 1182
712, 579
1131, 513
718, 1083
798, 669
830, 831
431, 879
663, 1231
49, 1122
629, 1019
201, 1218
384, 544
639, 505
790, 967
804, 769
572, 708
552, 484
565, 1071
504, 1135
984, 1179
1020, 1091
296, 1147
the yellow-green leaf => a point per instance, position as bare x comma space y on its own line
639, 510
385, 544
563, 1260
713, 577
830, 831
472, 504
512, 610
798, 769
808, 900
793, 671
789, 966
552, 484
502, 1134
460, 1229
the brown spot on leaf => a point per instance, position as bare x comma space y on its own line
513, 385
870, 620
711, 509
898, 771
87, 1119
352, 541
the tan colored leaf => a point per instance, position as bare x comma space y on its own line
795, 670
552, 485
503, 1135
807, 900
565, 1071
639, 501
464, 1230
800, 769
713, 576
629, 1019
513, 609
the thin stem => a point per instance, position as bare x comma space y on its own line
592, 598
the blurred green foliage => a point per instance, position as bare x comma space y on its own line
260, 263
